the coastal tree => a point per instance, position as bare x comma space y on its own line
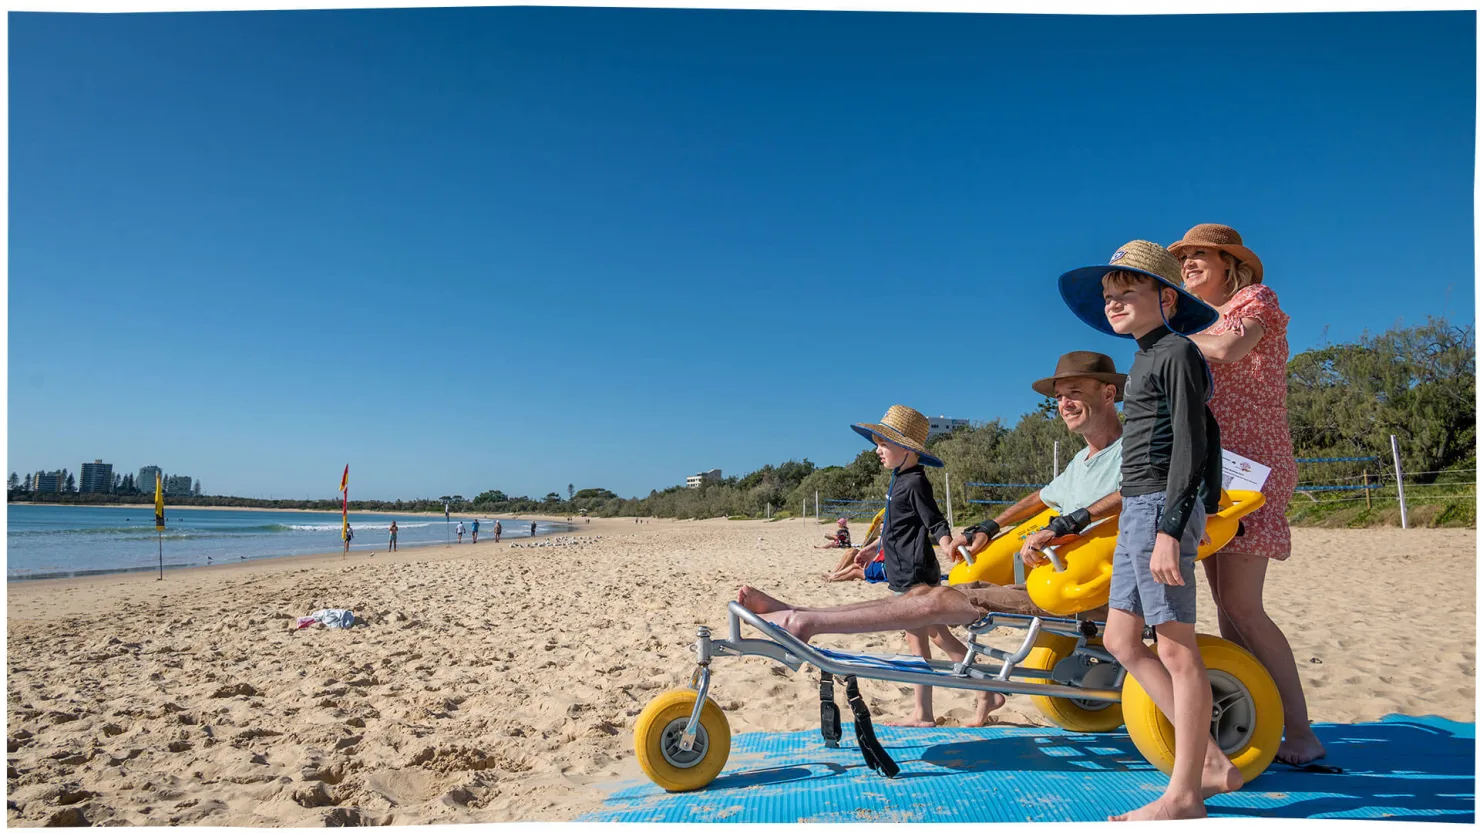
15, 481
71, 483
490, 496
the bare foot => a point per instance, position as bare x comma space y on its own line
790, 621
1300, 748
912, 723
755, 601
1219, 775
988, 702
1166, 809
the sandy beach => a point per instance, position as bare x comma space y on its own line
500, 682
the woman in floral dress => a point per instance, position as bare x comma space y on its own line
1247, 351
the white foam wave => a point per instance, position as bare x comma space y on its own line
358, 525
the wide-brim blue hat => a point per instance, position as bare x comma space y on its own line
1083, 292
905, 427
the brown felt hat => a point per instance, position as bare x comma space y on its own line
902, 426
1224, 239
1083, 364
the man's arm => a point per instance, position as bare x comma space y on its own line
1067, 525
975, 538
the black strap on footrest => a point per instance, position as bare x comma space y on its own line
863, 726
832, 718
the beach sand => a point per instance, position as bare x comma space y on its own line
501, 682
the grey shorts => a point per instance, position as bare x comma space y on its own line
1132, 587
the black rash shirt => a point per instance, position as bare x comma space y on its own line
912, 517
1171, 439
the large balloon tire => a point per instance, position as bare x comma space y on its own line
1071, 715
1248, 716
656, 735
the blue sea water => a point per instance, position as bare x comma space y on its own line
56, 541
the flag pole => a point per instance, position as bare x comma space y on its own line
159, 519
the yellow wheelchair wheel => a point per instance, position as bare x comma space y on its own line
1066, 713
1248, 717
657, 733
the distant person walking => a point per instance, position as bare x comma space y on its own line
349, 535
459, 532
531, 529
475, 530
498, 531
394, 530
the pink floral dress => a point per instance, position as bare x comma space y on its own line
1249, 403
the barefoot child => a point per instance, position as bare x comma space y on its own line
912, 523
1171, 465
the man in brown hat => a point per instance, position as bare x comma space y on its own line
1087, 387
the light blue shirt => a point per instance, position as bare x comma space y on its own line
1085, 480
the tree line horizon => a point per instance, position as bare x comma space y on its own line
1344, 400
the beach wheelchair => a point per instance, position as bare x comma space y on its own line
682, 738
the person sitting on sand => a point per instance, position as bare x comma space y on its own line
856, 565
841, 539
1086, 387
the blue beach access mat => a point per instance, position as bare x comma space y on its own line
1399, 768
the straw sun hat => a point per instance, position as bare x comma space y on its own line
902, 426
1084, 294
1082, 364
1224, 239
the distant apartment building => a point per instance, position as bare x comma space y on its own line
145, 483
97, 478
696, 480
48, 481
945, 425
178, 485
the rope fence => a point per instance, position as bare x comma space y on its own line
1387, 476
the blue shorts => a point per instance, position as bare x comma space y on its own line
1132, 587
874, 572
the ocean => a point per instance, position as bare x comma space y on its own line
59, 541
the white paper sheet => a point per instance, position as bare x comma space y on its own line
1240, 472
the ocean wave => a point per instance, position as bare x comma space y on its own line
148, 529
358, 525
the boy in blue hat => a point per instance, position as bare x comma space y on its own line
1170, 473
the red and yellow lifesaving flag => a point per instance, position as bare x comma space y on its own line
344, 487
158, 503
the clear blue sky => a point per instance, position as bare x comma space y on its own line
517, 248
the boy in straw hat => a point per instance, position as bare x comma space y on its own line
1170, 474
913, 524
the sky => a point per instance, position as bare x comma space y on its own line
520, 248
